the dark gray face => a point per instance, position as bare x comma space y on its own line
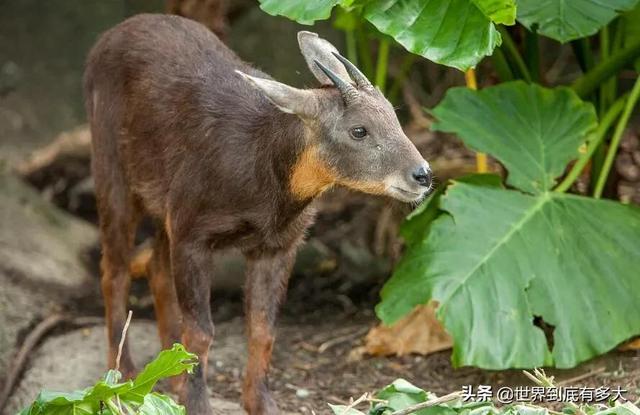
355, 132
363, 143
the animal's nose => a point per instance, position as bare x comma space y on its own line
423, 176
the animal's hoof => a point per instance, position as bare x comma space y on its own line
263, 404
198, 407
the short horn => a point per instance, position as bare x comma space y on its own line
359, 78
348, 91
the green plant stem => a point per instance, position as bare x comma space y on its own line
382, 64
364, 52
615, 141
512, 49
594, 142
113, 407
501, 65
605, 47
532, 55
585, 85
583, 54
405, 66
352, 48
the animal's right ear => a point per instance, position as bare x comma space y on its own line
288, 99
314, 48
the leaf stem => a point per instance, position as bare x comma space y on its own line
501, 65
512, 49
586, 84
364, 51
605, 48
405, 66
532, 54
593, 143
617, 136
352, 48
472, 83
382, 64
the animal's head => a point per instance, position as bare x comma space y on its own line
355, 138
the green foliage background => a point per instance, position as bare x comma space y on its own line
496, 257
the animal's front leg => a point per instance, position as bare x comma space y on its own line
191, 267
266, 285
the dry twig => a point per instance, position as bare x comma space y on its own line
122, 337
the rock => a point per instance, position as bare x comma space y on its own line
42, 264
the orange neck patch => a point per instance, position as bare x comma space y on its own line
310, 175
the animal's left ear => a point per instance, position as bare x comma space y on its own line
288, 99
314, 48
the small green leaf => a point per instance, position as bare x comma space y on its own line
532, 130
565, 20
156, 404
168, 363
499, 11
530, 410
344, 410
131, 393
450, 32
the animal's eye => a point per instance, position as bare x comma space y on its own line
358, 133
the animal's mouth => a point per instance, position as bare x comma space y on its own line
406, 192
407, 196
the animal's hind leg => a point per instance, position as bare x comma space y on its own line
168, 315
119, 216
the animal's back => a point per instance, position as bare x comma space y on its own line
156, 85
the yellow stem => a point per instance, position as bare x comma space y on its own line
472, 83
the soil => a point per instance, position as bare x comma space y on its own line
304, 379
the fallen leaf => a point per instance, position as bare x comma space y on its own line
633, 344
419, 332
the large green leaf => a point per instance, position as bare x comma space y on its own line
303, 12
457, 33
451, 32
532, 130
499, 11
499, 258
565, 20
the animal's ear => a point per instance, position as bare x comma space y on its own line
292, 100
314, 48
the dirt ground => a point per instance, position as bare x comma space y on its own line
305, 379
316, 359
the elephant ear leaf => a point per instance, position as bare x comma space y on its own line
303, 12
498, 11
497, 261
533, 131
450, 32
565, 20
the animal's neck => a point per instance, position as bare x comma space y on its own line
310, 175
295, 159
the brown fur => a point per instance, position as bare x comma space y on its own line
171, 140
179, 136
310, 175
